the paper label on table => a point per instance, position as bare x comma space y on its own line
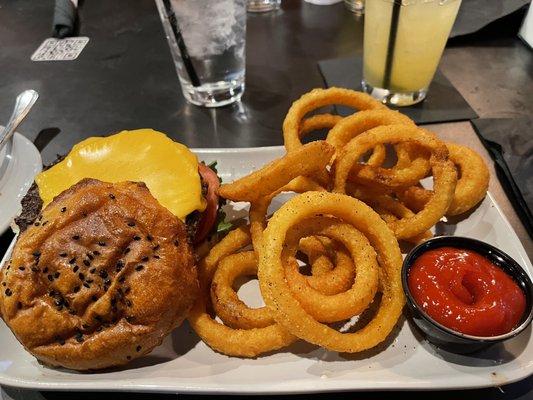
60, 49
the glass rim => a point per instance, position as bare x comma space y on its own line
406, 3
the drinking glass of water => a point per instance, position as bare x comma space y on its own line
207, 42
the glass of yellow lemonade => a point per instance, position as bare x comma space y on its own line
403, 44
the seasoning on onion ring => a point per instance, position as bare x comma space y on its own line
327, 277
362, 258
226, 303
318, 254
286, 309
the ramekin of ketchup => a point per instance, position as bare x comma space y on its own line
466, 294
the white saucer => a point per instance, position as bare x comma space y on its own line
23, 164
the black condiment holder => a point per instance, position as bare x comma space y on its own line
449, 339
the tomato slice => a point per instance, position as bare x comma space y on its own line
209, 215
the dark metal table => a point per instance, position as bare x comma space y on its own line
125, 79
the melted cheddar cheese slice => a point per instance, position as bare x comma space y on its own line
169, 169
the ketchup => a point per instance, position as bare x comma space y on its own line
464, 291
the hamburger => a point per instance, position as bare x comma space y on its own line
172, 173
104, 266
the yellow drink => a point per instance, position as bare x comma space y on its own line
403, 44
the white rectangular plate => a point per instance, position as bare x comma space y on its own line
184, 364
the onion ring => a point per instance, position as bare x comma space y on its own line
318, 253
393, 215
344, 305
226, 303
307, 161
390, 209
319, 98
392, 219
259, 207
395, 177
407, 152
235, 240
355, 124
288, 311
474, 178
471, 188
415, 197
327, 278
444, 174
316, 122
234, 342
412, 165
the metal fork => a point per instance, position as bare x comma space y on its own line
23, 104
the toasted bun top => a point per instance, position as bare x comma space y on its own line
100, 278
